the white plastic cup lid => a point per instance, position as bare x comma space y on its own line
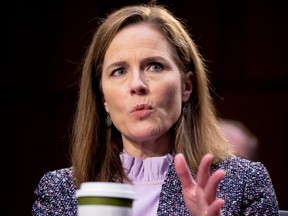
105, 189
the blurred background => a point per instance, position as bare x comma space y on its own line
244, 43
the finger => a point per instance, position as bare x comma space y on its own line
204, 170
183, 172
212, 185
215, 207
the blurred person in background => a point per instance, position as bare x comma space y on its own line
242, 140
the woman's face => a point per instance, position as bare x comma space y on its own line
142, 85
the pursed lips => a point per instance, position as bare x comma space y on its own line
141, 107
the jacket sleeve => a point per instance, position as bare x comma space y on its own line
260, 197
54, 194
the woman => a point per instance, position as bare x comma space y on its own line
144, 109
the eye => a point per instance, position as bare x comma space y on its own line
118, 72
155, 66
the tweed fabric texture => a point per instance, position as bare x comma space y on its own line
246, 188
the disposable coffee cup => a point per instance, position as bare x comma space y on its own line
105, 199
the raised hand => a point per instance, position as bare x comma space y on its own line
200, 195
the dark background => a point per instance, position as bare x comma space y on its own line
244, 43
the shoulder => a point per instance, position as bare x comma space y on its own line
65, 172
244, 171
245, 176
54, 194
241, 165
59, 175
61, 179
247, 187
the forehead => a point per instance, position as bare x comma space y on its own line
145, 29
137, 36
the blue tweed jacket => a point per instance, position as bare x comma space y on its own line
246, 188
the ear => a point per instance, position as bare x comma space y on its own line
105, 104
187, 86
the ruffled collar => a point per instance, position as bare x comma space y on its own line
151, 169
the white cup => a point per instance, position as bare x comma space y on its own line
104, 199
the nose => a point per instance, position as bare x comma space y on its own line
138, 84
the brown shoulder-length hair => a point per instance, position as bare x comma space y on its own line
96, 147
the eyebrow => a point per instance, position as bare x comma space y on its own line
154, 58
143, 61
116, 65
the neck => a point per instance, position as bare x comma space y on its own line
146, 149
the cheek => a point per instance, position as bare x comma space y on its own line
171, 98
114, 100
